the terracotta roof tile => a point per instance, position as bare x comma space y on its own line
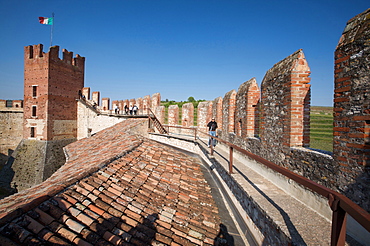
57, 241
81, 242
67, 234
85, 219
130, 191
74, 225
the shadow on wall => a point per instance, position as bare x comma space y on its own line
296, 237
361, 186
6, 175
4, 158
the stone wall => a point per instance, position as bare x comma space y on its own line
11, 133
11, 105
352, 110
32, 162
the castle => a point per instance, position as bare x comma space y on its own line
271, 122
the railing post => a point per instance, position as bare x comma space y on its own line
338, 223
231, 160
211, 145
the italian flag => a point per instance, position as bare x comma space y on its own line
46, 20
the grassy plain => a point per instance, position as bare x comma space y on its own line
321, 135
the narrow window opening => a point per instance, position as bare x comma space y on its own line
34, 90
9, 103
34, 111
32, 132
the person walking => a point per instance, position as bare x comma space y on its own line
212, 126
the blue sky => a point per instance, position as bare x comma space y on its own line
179, 48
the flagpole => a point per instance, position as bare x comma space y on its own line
51, 33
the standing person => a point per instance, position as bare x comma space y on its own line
212, 126
126, 109
130, 108
116, 110
135, 108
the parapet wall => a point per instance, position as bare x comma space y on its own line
352, 109
107, 107
273, 122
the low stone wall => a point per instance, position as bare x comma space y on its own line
34, 161
315, 165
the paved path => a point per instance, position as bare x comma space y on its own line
304, 225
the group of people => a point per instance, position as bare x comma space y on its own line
132, 110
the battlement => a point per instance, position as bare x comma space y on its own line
11, 105
33, 52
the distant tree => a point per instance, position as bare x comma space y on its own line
191, 99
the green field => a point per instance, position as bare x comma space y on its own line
321, 135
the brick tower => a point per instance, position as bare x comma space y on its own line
51, 87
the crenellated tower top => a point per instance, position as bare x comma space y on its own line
32, 52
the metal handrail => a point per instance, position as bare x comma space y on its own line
157, 123
339, 204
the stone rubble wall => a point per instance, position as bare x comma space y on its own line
11, 133
352, 110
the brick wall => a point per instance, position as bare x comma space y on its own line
160, 113
228, 111
284, 90
86, 92
204, 115
247, 98
187, 117
156, 101
96, 97
146, 104
139, 104
173, 115
51, 87
217, 111
105, 104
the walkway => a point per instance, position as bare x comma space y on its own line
298, 221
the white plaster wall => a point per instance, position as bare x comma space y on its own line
88, 119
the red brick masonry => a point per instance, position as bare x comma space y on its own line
116, 188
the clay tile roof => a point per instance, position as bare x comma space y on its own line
116, 188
